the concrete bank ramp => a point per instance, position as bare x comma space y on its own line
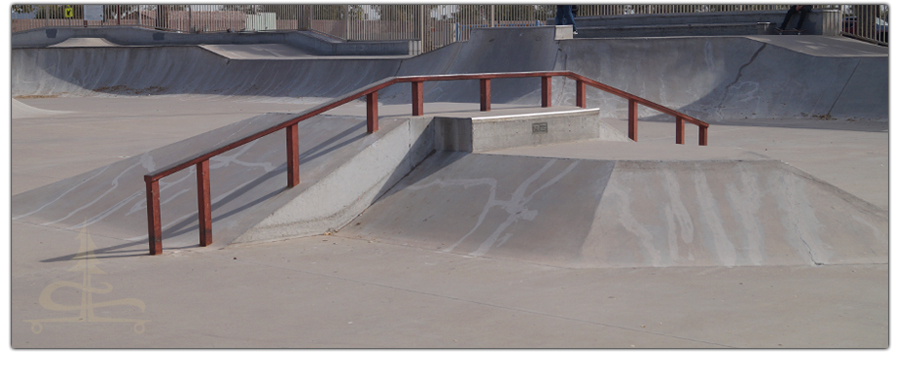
257, 51
85, 42
342, 170
21, 110
596, 213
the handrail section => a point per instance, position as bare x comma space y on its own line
201, 161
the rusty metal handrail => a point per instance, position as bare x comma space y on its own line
201, 161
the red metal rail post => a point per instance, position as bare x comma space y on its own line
154, 227
632, 119
418, 104
679, 130
545, 91
703, 135
293, 155
204, 208
580, 96
372, 112
485, 94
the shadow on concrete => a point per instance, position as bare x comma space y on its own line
191, 224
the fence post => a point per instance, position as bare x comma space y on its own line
545, 91
485, 94
372, 112
204, 211
703, 135
632, 119
418, 104
154, 227
346, 11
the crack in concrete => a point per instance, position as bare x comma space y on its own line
844, 87
740, 73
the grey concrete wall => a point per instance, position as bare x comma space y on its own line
137, 36
726, 78
185, 70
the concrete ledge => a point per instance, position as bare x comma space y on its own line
486, 133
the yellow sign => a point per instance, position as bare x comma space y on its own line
86, 264
70, 12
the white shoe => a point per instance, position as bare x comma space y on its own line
574, 32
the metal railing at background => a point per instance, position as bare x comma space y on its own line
434, 25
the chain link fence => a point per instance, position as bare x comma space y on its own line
435, 25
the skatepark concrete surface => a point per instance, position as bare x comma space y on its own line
773, 236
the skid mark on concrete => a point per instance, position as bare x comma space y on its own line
516, 207
709, 215
114, 185
63, 194
745, 202
621, 198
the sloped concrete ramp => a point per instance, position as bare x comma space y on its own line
85, 42
596, 213
256, 51
247, 184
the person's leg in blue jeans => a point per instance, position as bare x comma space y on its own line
787, 17
559, 15
564, 16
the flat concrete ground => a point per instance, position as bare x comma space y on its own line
334, 291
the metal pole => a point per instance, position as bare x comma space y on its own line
204, 209
632, 119
493, 22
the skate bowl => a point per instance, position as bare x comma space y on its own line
746, 77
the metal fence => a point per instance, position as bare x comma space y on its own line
434, 25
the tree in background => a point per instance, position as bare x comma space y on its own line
474, 14
23, 9
336, 12
112, 11
57, 11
